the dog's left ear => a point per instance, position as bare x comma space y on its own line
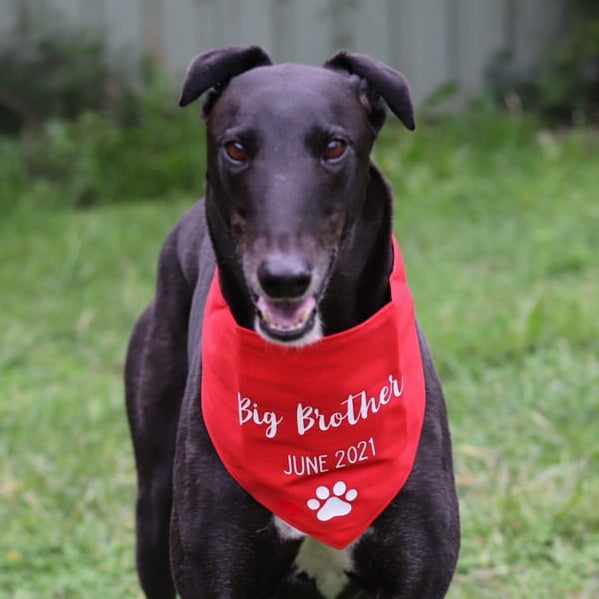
382, 79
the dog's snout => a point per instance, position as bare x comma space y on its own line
284, 276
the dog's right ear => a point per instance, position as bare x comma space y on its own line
216, 67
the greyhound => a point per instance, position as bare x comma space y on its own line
297, 222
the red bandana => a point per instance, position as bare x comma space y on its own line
323, 436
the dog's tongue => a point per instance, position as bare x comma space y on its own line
286, 314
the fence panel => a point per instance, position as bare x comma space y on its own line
479, 34
70, 9
312, 37
187, 31
535, 23
431, 41
9, 15
123, 29
371, 29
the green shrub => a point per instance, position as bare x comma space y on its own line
92, 159
75, 132
58, 72
565, 86
568, 82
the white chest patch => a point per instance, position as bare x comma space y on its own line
327, 566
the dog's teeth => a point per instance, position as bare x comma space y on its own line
287, 326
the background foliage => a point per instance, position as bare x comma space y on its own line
50, 69
564, 88
92, 159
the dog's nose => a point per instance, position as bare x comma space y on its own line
284, 276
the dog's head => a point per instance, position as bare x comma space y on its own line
288, 168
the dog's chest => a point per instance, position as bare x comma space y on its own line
328, 567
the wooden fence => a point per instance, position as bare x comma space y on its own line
432, 41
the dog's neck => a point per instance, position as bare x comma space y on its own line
359, 283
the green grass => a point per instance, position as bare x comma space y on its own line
499, 225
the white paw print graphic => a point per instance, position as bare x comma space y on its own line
337, 505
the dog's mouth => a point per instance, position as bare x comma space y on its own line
287, 321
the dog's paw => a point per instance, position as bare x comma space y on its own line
339, 504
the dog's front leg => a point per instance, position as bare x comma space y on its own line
412, 548
156, 371
411, 551
226, 558
223, 543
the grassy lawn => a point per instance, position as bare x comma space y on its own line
499, 225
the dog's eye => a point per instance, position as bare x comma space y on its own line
334, 149
235, 151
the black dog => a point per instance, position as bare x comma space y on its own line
294, 209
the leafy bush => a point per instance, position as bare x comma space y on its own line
568, 83
54, 70
92, 159
565, 87
74, 132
